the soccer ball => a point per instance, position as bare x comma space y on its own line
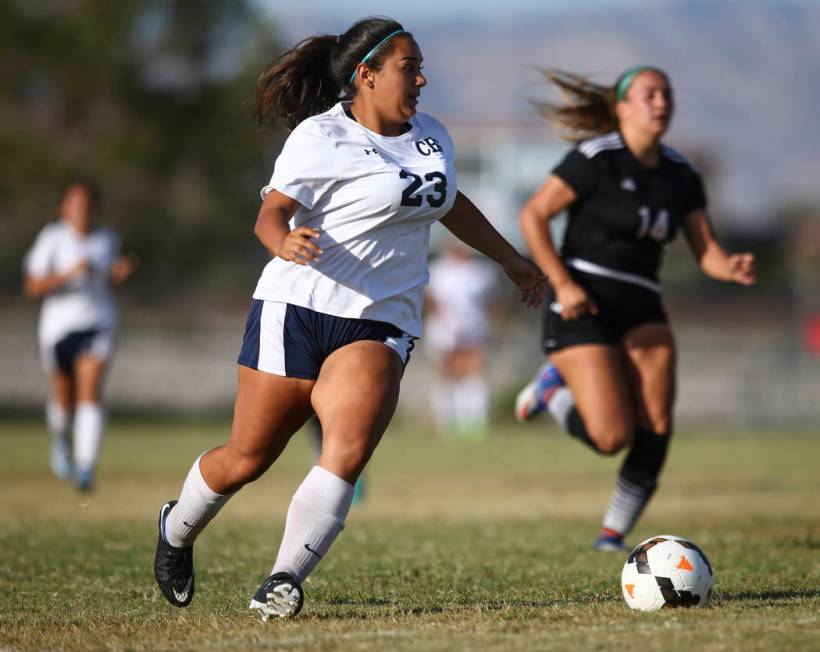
665, 572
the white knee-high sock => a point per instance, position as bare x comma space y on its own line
59, 425
560, 404
316, 516
197, 505
441, 400
89, 426
57, 421
473, 402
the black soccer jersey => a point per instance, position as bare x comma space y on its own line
625, 212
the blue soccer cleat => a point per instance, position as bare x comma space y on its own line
610, 541
61, 459
84, 480
533, 399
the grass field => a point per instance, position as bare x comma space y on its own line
457, 546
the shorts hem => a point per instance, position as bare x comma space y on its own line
580, 342
294, 374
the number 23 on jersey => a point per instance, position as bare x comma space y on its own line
411, 197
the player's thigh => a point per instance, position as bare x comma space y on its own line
268, 410
89, 373
355, 398
651, 354
597, 376
467, 361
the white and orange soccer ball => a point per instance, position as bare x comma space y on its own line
667, 571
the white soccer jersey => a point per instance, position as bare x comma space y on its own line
373, 198
461, 290
86, 302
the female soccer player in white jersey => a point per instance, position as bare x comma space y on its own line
71, 267
458, 302
610, 380
346, 215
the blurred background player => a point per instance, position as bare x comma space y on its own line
347, 217
72, 267
610, 380
458, 303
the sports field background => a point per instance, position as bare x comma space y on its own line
457, 546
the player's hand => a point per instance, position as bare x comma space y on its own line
742, 268
297, 247
80, 268
527, 278
122, 269
574, 302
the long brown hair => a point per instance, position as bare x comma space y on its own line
590, 108
317, 72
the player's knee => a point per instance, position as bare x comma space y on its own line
347, 457
611, 440
661, 423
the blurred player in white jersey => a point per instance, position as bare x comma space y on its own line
458, 305
72, 267
347, 217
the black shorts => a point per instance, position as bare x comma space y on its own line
621, 307
287, 340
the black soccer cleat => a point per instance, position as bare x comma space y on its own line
173, 567
280, 596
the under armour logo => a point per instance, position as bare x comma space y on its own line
370, 151
629, 184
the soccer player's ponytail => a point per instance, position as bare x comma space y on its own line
590, 108
319, 71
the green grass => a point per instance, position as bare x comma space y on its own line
458, 546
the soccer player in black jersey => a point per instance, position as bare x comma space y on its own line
610, 379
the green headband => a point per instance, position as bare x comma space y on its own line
626, 80
370, 54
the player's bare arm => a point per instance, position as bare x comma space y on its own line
713, 260
36, 287
123, 269
550, 200
275, 234
470, 226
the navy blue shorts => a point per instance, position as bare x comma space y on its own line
292, 341
63, 355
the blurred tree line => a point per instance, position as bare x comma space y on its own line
153, 99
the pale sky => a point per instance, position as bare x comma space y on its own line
424, 10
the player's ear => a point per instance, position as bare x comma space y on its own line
621, 109
367, 76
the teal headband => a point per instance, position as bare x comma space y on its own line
626, 80
370, 54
